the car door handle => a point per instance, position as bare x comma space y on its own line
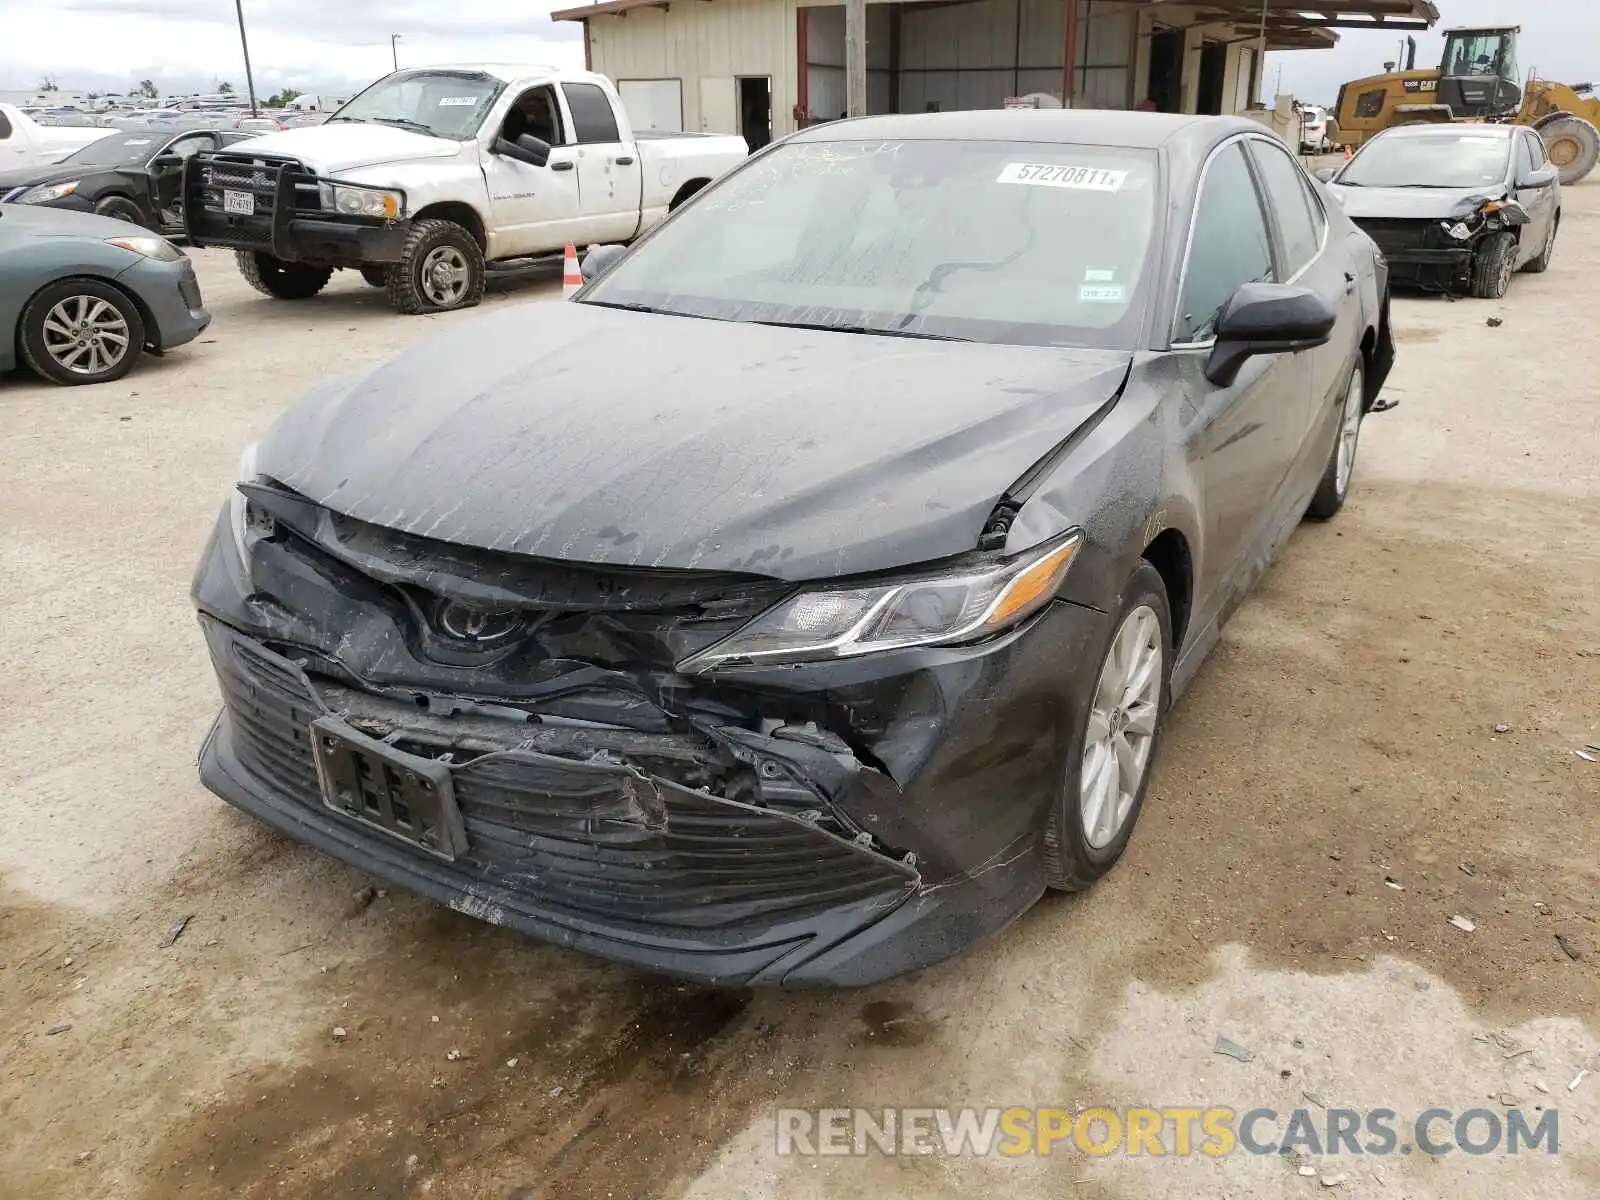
623, 160
1349, 282
565, 164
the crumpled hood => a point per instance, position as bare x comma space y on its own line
348, 145
1418, 204
571, 431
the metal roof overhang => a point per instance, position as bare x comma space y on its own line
1290, 24
1310, 24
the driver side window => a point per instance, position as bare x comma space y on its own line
535, 112
1525, 160
186, 147
1228, 246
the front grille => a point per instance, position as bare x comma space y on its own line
1397, 237
578, 841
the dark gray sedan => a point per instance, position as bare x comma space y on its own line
1455, 207
82, 296
806, 598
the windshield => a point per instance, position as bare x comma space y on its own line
1440, 160
447, 104
118, 150
1007, 242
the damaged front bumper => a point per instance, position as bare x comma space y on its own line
827, 825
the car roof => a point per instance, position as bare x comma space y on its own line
1449, 129
1069, 127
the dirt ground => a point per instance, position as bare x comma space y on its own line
1342, 735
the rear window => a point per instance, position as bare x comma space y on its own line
1012, 242
592, 117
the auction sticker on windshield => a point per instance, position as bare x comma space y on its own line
1091, 179
458, 101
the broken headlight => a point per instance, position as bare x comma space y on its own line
244, 517
961, 605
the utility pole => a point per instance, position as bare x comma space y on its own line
249, 79
855, 57
394, 54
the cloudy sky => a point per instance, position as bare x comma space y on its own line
331, 45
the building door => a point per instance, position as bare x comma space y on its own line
755, 110
719, 105
1213, 70
1166, 70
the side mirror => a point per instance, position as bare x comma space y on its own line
1267, 318
527, 148
1326, 174
166, 162
1540, 177
599, 260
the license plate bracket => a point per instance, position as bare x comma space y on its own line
406, 796
242, 203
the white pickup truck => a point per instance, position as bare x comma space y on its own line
26, 143
433, 173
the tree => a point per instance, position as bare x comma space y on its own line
284, 98
148, 89
225, 89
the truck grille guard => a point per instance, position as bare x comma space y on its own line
281, 191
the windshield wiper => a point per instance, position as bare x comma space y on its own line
871, 329
405, 123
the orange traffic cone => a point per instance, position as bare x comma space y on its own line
571, 273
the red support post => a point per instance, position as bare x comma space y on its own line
1069, 72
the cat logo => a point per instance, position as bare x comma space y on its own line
1422, 85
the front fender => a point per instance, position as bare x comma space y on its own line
1124, 484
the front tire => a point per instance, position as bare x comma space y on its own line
1111, 753
81, 331
281, 280
120, 208
1492, 268
441, 269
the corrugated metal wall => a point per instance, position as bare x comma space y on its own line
706, 45
975, 55
948, 57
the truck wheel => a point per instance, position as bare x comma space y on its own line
281, 280
1493, 266
441, 268
376, 276
120, 208
1574, 147
81, 331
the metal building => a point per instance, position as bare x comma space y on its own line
766, 67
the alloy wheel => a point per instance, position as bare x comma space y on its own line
1122, 727
1349, 432
86, 335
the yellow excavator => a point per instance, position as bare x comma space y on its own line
1477, 81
